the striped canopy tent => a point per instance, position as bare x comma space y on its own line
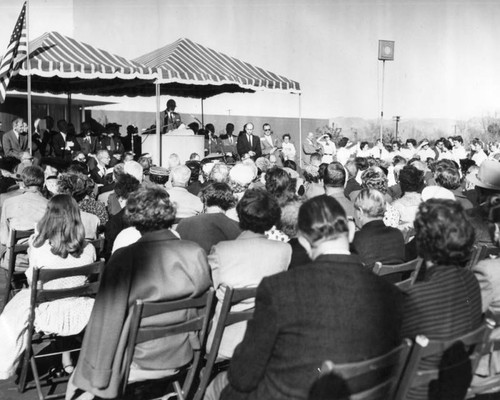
188, 69
59, 64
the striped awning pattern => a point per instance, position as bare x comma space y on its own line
198, 71
59, 64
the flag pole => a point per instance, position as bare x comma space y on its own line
28, 67
300, 131
159, 127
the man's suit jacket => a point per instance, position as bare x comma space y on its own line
112, 144
332, 308
88, 144
446, 304
243, 147
158, 267
172, 122
12, 146
98, 178
267, 148
59, 146
377, 242
213, 145
310, 148
229, 145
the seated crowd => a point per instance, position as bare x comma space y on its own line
307, 238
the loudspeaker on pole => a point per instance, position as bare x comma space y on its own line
386, 50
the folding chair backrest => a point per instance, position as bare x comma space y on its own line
227, 317
482, 252
392, 364
399, 269
197, 323
13, 249
491, 383
476, 341
488, 252
92, 274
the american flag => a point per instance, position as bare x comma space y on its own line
17, 46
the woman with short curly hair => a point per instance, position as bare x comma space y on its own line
157, 267
147, 210
411, 181
445, 302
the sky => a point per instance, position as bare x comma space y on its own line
446, 60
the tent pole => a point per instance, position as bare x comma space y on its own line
300, 131
158, 123
69, 107
202, 115
30, 117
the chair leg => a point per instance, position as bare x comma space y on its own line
8, 287
21, 386
36, 377
204, 380
178, 390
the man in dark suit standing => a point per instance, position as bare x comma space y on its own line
63, 143
171, 120
330, 309
248, 144
15, 141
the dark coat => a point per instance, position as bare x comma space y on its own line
88, 144
96, 176
243, 147
158, 267
299, 254
332, 308
351, 185
113, 227
208, 229
446, 304
59, 146
377, 242
171, 123
112, 144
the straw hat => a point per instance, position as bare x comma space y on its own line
488, 176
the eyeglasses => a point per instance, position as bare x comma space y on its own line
267, 130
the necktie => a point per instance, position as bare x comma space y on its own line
250, 140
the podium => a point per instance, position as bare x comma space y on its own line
182, 145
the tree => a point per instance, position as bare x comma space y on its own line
334, 132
